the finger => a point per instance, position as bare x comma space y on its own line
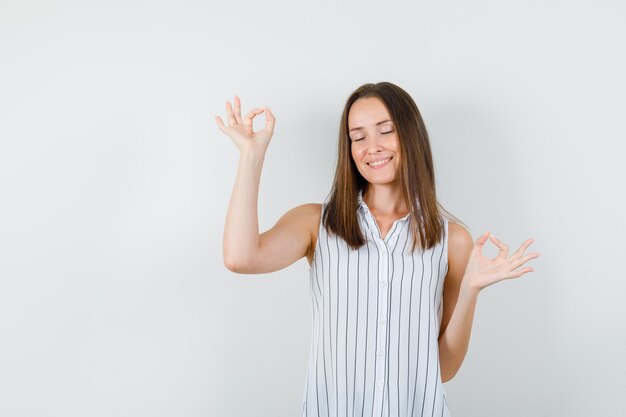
504, 249
519, 272
521, 261
220, 124
238, 109
229, 113
247, 121
270, 120
524, 246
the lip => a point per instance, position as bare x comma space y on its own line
380, 166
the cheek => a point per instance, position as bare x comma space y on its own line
357, 158
396, 146
354, 151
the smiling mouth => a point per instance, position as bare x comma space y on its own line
379, 164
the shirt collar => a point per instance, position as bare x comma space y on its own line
361, 204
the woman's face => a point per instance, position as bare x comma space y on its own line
373, 138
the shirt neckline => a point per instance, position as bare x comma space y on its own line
362, 204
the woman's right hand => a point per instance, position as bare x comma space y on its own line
240, 129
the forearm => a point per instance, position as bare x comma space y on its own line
454, 341
241, 231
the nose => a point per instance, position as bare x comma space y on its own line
374, 146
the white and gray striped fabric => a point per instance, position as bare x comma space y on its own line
376, 319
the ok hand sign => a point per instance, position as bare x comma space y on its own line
240, 129
481, 272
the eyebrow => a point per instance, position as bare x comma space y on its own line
361, 127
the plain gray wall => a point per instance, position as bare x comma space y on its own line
115, 180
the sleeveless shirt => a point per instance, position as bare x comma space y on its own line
376, 318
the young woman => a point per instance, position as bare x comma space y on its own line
394, 282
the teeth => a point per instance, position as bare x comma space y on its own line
378, 162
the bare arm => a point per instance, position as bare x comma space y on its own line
241, 231
458, 299
244, 250
469, 273
289, 240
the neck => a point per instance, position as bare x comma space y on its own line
385, 200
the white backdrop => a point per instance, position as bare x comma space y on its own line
115, 180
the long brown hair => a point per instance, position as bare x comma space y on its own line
416, 175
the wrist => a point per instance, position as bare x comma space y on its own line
469, 288
252, 156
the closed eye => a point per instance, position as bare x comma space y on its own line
384, 133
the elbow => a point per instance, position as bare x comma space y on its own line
449, 364
447, 372
230, 265
233, 264
447, 376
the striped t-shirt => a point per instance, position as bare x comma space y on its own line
376, 318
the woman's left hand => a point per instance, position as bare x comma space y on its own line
481, 272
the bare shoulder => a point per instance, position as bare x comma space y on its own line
304, 214
460, 243
458, 235
309, 214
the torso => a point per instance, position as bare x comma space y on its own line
377, 312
